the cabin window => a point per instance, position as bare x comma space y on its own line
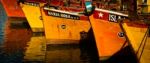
144, 1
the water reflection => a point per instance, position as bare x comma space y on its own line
62, 53
2, 24
23, 46
14, 44
65, 54
36, 49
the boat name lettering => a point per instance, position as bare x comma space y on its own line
32, 4
63, 15
53, 14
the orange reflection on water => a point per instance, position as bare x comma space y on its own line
16, 39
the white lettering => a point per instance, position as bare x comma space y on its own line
112, 18
51, 13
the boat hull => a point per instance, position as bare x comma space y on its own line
60, 30
34, 18
108, 42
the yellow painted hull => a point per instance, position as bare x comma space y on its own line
135, 34
55, 34
33, 15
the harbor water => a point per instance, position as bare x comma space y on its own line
21, 45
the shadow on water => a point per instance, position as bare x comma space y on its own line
126, 55
88, 46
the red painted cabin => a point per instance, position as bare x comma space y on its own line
42, 1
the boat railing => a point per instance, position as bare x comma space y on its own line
61, 11
112, 12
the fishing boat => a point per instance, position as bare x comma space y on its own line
106, 31
63, 26
11, 18
34, 18
112, 34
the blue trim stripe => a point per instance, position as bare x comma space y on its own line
3, 18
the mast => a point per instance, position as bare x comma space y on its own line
132, 9
82, 3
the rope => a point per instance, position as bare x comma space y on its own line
144, 43
145, 35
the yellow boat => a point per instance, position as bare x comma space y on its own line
33, 15
137, 35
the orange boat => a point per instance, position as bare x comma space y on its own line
16, 18
63, 26
107, 32
10, 7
